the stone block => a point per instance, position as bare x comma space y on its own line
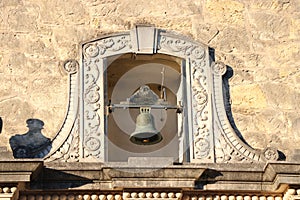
295, 156
5, 154
150, 161
248, 95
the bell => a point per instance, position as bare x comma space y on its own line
145, 132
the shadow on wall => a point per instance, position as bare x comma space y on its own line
226, 91
227, 103
32, 144
57, 179
1, 124
209, 176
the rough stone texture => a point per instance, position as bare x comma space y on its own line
258, 39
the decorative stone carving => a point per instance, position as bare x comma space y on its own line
225, 153
228, 144
71, 66
92, 50
271, 154
201, 135
107, 45
71, 196
65, 145
219, 68
230, 148
181, 46
195, 54
29, 144
211, 134
92, 104
93, 131
7, 190
69, 151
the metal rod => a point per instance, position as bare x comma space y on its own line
124, 106
162, 83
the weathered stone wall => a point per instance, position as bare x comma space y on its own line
258, 39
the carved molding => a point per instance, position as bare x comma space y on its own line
69, 151
107, 46
175, 45
93, 69
202, 134
168, 44
92, 103
225, 152
230, 145
65, 134
196, 55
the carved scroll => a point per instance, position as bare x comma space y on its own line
229, 147
196, 55
93, 92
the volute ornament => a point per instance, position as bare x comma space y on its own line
271, 153
219, 68
71, 66
91, 50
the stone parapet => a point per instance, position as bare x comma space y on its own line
159, 195
292, 193
116, 181
9, 192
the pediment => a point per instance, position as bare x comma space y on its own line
208, 137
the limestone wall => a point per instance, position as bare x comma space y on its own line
258, 39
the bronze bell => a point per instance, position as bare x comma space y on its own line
145, 132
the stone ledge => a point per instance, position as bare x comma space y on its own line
23, 170
274, 177
208, 177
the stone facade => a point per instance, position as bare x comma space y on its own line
258, 39
54, 54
